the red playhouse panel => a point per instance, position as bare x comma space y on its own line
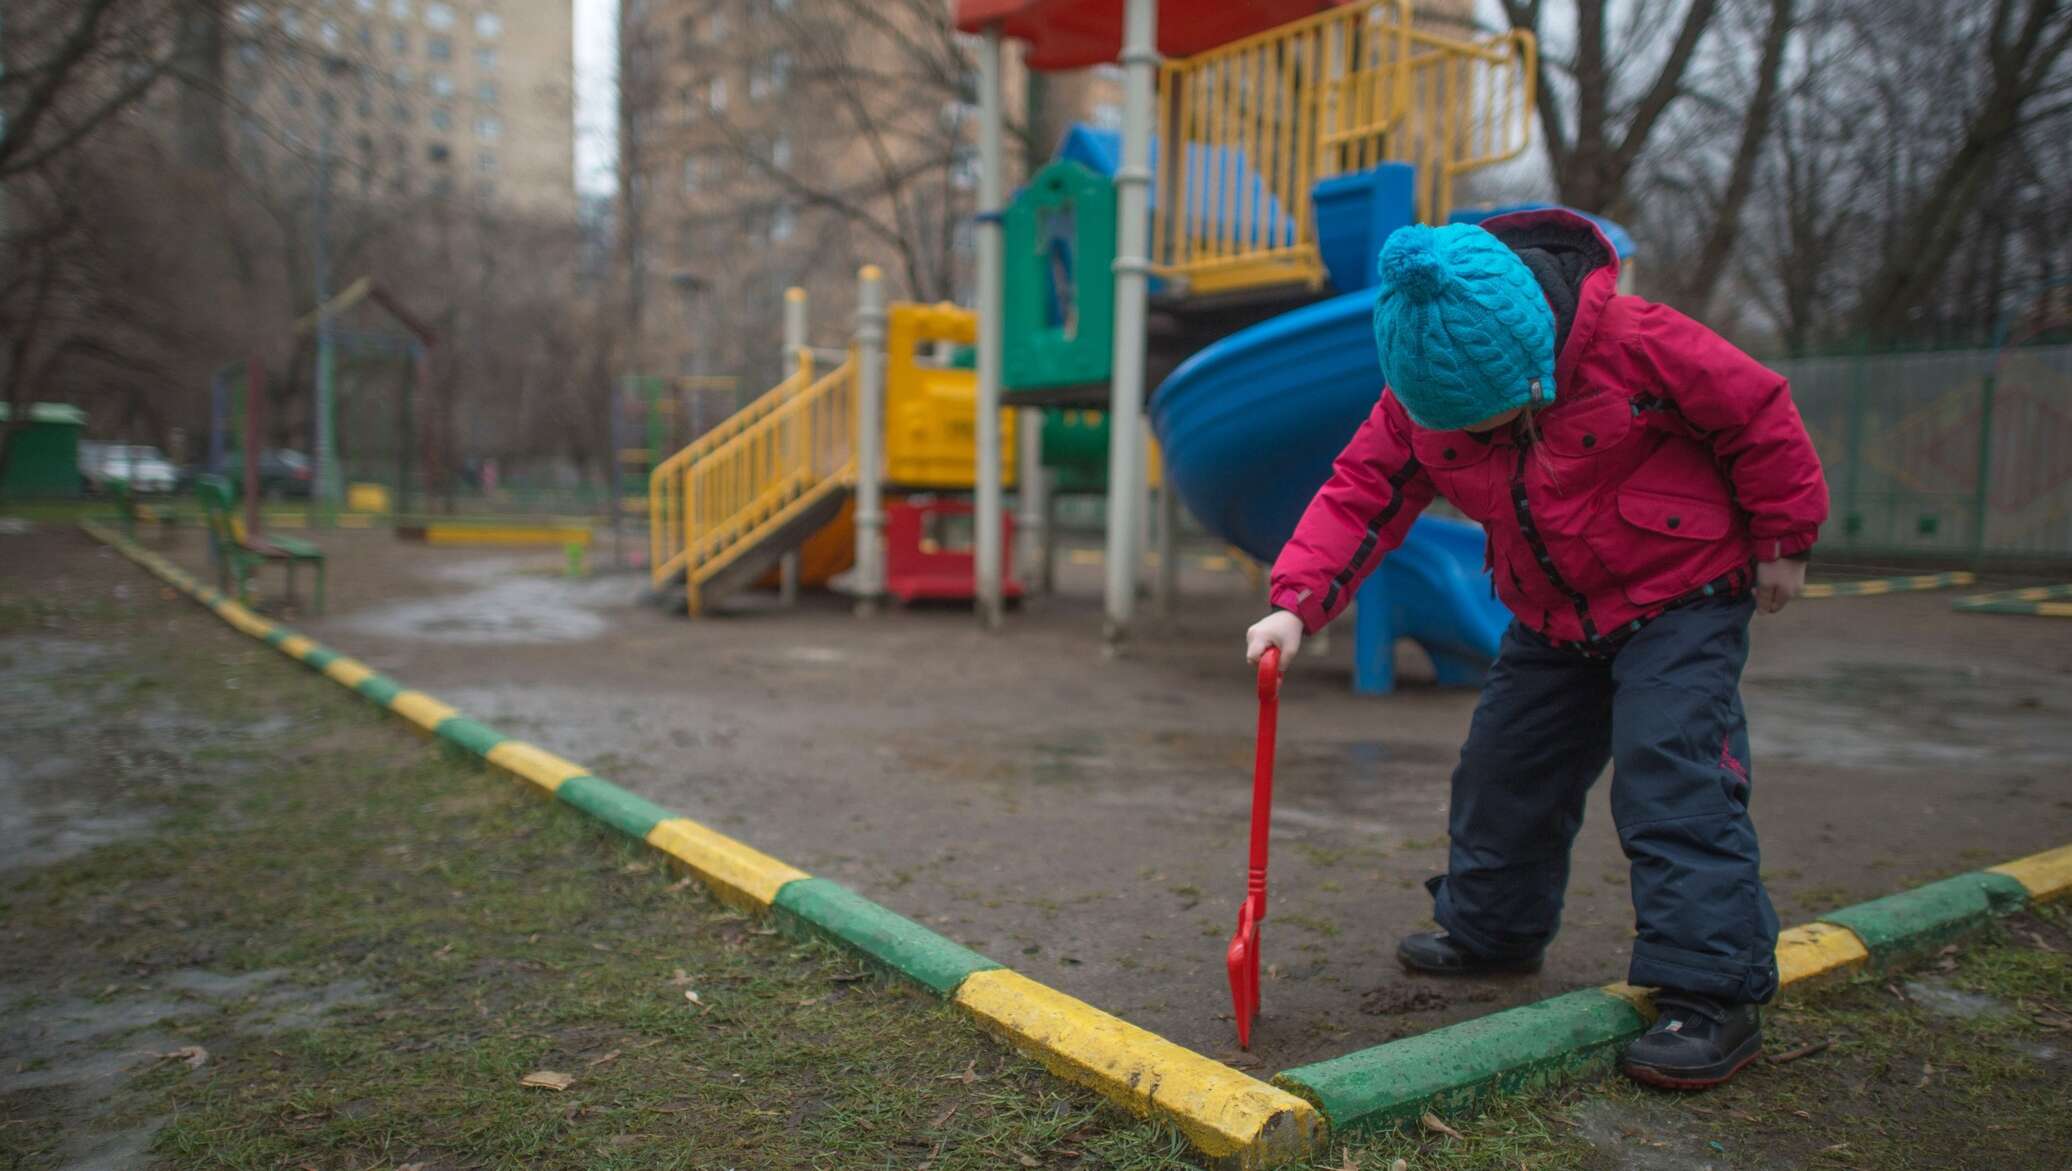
1072, 34
921, 566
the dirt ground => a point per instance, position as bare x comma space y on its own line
1083, 818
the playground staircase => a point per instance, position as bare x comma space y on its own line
725, 509
1261, 121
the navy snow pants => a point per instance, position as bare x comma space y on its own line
1665, 710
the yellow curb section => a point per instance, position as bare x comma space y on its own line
244, 619
421, 709
2054, 609
2048, 876
347, 671
1812, 950
297, 646
1642, 999
503, 535
739, 875
535, 764
1229, 1115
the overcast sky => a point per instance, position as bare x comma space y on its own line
597, 114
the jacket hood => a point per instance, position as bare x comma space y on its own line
1576, 267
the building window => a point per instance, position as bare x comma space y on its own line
366, 38
771, 77
485, 162
442, 186
399, 42
291, 23
439, 48
328, 103
329, 33
363, 105
690, 174
367, 5
488, 129
403, 77
485, 57
294, 97
248, 14
438, 152
488, 25
780, 153
716, 29
400, 9
964, 167
716, 93
439, 16
250, 54
689, 98
485, 92
442, 118
783, 222
441, 84
400, 113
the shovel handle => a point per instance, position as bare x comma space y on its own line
1262, 778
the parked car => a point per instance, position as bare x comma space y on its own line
142, 468
282, 472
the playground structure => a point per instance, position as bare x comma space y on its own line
1222, 240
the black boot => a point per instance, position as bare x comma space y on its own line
1435, 953
1696, 1043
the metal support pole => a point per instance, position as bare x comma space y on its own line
991, 164
870, 439
1126, 391
325, 487
1166, 587
797, 356
255, 392
1032, 484
219, 418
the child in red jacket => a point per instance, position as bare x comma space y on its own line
1645, 487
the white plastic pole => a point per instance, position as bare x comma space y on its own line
796, 357
870, 439
1166, 591
1032, 484
986, 529
1126, 389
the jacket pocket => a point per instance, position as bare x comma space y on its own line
1674, 516
1463, 468
1658, 545
1596, 426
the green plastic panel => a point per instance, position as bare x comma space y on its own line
1060, 285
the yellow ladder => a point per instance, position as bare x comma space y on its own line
744, 486
1248, 128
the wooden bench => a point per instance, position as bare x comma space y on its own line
237, 555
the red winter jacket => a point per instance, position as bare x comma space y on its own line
1668, 459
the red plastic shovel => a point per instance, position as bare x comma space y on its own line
1243, 957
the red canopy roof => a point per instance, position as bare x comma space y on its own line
1071, 34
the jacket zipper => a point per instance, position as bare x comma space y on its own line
1521, 505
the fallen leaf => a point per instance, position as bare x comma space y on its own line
1927, 1071
193, 1055
942, 1119
635, 868
1801, 1114
1400, 1165
970, 1073
1431, 1122
612, 1056
680, 884
1026, 1161
547, 1079
443, 952
1273, 971
809, 1002
691, 994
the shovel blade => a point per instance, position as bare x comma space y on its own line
1243, 961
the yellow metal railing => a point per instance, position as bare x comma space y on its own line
1246, 129
667, 482
767, 472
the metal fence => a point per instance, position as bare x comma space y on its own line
1960, 454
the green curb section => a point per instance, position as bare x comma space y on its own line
379, 688
899, 943
1929, 915
1518, 1049
612, 805
319, 657
473, 735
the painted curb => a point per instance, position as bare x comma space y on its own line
1236, 1119
2042, 601
1879, 586
1578, 1034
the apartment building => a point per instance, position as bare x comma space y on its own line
465, 100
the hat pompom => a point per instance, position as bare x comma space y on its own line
1411, 264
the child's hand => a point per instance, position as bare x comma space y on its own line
1777, 582
1278, 629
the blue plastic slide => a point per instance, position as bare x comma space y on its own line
1249, 427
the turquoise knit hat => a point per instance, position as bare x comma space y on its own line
1463, 329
